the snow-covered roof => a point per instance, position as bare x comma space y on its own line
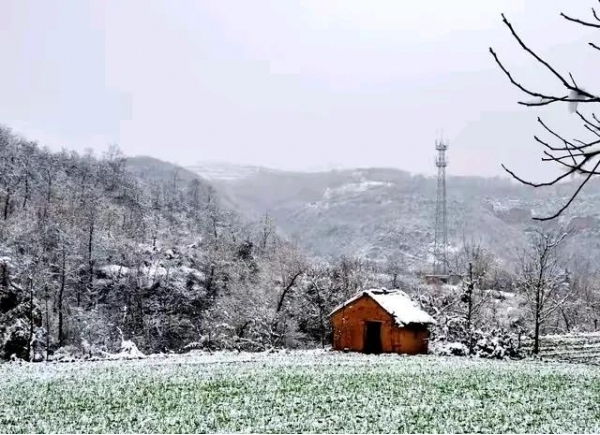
396, 303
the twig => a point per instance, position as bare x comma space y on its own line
578, 21
559, 212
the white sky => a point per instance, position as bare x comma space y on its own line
293, 85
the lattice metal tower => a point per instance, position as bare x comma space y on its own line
440, 264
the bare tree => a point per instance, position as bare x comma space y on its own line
483, 262
290, 268
541, 277
318, 294
479, 270
474, 303
576, 156
394, 267
268, 226
64, 275
580, 312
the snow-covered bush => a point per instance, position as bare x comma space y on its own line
66, 354
451, 349
87, 351
494, 344
128, 351
14, 339
20, 320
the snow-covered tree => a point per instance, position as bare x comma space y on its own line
541, 279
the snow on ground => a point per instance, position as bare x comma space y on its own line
154, 271
573, 347
304, 391
359, 187
115, 270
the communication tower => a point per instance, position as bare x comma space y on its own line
440, 264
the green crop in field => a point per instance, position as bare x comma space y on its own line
300, 392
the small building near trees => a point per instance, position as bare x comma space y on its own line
381, 321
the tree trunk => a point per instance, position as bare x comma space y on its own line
61, 292
4, 281
210, 291
286, 290
26, 196
536, 333
321, 323
266, 232
6, 204
90, 261
49, 189
566, 319
31, 324
470, 308
47, 320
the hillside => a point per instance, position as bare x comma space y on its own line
156, 171
99, 250
378, 212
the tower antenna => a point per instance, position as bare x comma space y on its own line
440, 262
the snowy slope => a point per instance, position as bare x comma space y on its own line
222, 171
379, 212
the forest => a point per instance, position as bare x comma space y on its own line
91, 252
98, 249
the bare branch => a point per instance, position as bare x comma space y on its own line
546, 144
529, 183
565, 83
541, 102
587, 121
545, 99
553, 158
555, 306
559, 212
559, 137
587, 127
574, 154
578, 168
586, 144
578, 21
573, 80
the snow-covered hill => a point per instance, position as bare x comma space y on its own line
222, 171
379, 212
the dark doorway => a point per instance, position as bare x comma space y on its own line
373, 337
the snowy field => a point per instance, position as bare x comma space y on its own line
580, 348
299, 392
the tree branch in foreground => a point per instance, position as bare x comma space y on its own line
575, 156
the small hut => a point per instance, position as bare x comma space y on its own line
380, 320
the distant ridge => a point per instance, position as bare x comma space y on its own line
224, 171
380, 212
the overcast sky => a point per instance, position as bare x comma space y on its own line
287, 84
